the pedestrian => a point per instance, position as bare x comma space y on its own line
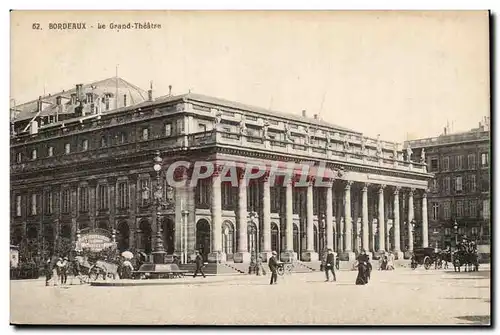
64, 272
260, 267
59, 269
48, 271
198, 265
273, 267
329, 266
364, 269
337, 263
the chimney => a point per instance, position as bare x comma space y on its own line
170, 90
445, 130
79, 91
124, 100
150, 91
39, 105
34, 127
304, 114
73, 98
315, 116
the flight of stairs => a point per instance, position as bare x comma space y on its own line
212, 269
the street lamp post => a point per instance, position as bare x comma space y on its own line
184, 251
455, 228
159, 250
252, 231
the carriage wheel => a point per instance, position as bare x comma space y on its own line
288, 269
281, 271
427, 262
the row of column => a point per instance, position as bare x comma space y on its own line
242, 252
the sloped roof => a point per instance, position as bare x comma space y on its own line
29, 109
237, 105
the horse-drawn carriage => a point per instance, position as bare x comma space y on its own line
426, 257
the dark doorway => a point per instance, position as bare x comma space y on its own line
168, 227
145, 236
275, 238
203, 237
123, 238
296, 242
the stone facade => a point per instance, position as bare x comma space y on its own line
97, 171
460, 191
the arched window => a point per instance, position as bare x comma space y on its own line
50, 152
85, 145
275, 238
67, 148
145, 134
104, 142
228, 239
33, 154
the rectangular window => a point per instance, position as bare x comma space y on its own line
18, 205
145, 192
473, 183
33, 204
460, 209
486, 209
83, 200
33, 154
202, 127
435, 211
446, 185
180, 126
102, 191
466, 207
123, 195
484, 159
145, 134
168, 129
434, 164
446, 164
202, 191
85, 145
67, 148
458, 184
66, 201
473, 209
447, 231
49, 198
50, 152
471, 161
459, 162
474, 231
435, 186
19, 157
446, 210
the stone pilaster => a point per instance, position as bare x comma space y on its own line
366, 223
310, 255
425, 222
288, 253
329, 218
411, 217
242, 256
397, 223
381, 219
348, 254
216, 212
266, 219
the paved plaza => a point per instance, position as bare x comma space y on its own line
396, 297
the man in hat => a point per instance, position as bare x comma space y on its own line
48, 271
330, 265
199, 265
273, 267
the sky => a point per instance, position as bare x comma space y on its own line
402, 75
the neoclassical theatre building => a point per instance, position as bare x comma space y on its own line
84, 158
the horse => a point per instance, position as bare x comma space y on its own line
467, 259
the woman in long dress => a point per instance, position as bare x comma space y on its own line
363, 269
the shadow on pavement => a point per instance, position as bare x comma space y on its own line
476, 319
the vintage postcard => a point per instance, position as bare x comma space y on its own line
250, 168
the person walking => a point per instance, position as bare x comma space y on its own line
48, 271
273, 267
364, 269
199, 265
330, 265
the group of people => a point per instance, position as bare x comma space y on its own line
58, 272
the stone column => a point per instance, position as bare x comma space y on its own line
329, 217
425, 222
366, 223
397, 231
216, 211
411, 216
266, 219
381, 219
310, 255
288, 253
348, 254
242, 256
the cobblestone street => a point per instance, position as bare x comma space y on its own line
398, 297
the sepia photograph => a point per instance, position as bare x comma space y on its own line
250, 168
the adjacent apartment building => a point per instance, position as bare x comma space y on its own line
459, 195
